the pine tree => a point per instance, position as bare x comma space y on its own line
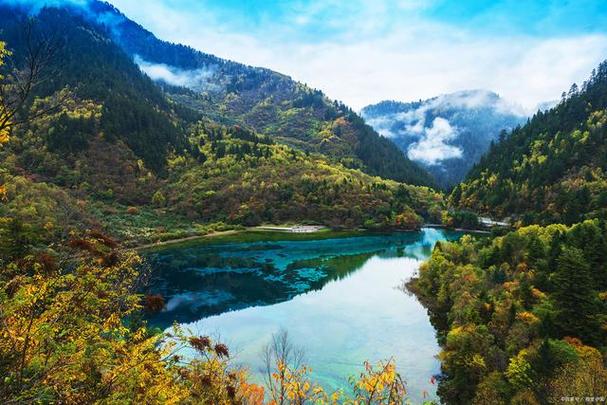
575, 298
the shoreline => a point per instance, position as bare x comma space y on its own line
185, 239
285, 233
250, 234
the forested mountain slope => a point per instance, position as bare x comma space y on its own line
86, 61
447, 134
118, 155
522, 317
266, 101
553, 169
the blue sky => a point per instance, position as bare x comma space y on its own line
363, 51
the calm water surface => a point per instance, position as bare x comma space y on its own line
340, 300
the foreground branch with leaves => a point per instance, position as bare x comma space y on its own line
72, 333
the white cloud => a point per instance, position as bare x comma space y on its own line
431, 142
433, 147
372, 56
382, 125
199, 79
470, 99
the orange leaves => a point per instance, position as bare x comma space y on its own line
4, 133
252, 394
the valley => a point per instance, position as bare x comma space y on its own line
177, 227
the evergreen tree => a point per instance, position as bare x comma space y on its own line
574, 297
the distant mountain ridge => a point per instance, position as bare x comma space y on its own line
446, 134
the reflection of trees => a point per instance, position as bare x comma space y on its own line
334, 268
243, 276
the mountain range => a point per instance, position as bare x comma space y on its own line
224, 91
266, 101
447, 134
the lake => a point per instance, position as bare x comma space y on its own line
340, 299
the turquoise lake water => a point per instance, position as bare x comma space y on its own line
341, 300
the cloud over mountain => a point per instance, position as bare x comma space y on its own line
448, 133
432, 146
196, 79
364, 51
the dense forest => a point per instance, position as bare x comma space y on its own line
553, 169
521, 318
237, 176
133, 109
268, 102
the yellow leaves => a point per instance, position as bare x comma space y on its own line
477, 362
69, 105
379, 384
69, 328
4, 133
538, 294
597, 120
5, 130
112, 322
3, 53
457, 332
527, 317
295, 384
519, 370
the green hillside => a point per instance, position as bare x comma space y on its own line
266, 101
129, 160
522, 317
553, 169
